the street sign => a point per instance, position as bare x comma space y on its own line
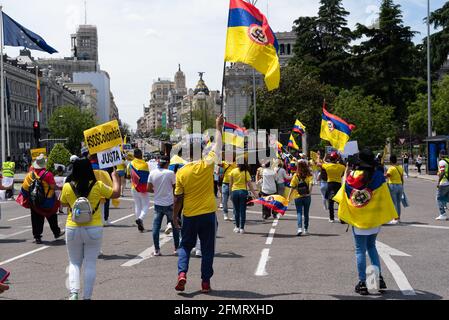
402, 141
110, 158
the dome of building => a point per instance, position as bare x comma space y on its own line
201, 86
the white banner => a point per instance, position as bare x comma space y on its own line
59, 181
110, 158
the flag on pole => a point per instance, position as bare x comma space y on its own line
250, 40
299, 128
233, 134
38, 93
335, 130
15, 35
292, 142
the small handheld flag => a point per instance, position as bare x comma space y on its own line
233, 134
292, 142
335, 130
299, 128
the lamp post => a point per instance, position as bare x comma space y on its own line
429, 80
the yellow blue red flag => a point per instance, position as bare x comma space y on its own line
250, 40
335, 130
233, 134
275, 202
365, 205
299, 128
292, 142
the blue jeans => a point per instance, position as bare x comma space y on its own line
301, 203
159, 213
239, 201
365, 244
396, 191
442, 198
323, 190
406, 169
202, 226
225, 197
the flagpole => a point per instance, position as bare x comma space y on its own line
2, 85
223, 88
7, 133
37, 97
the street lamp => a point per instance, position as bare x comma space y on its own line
429, 80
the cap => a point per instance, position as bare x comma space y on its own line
73, 158
334, 155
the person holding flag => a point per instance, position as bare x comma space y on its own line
139, 173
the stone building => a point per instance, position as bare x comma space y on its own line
160, 92
88, 95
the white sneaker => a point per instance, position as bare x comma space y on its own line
74, 296
299, 232
305, 232
393, 222
221, 205
107, 223
236, 230
198, 253
242, 231
331, 221
169, 228
226, 218
442, 217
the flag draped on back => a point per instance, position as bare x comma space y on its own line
15, 35
233, 134
335, 130
365, 206
250, 40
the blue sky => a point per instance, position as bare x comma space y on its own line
141, 40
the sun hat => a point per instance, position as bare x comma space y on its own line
73, 158
40, 162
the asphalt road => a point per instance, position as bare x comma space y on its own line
268, 262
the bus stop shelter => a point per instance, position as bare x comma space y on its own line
434, 146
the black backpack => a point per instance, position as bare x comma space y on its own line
37, 191
303, 187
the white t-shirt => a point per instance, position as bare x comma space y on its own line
366, 232
281, 176
269, 178
442, 165
163, 181
152, 164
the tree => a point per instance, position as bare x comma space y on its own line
59, 155
373, 120
323, 43
385, 63
439, 40
70, 122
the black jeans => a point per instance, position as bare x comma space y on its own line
37, 222
332, 190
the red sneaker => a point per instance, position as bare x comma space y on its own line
205, 287
182, 279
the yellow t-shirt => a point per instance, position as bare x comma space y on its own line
294, 183
195, 181
239, 181
335, 171
99, 191
227, 168
395, 175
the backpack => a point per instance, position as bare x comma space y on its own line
82, 210
37, 191
302, 188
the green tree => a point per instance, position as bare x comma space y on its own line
59, 155
373, 120
385, 63
70, 122
439, 40
323, 43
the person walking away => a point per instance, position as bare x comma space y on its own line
302, 182
419, 163
161, 182
225, 191
322, 178
8, 171
103, 175
194, 193
395, 181
59, 180
443, 185
335, 172
269, 187
84, 224
405, 162
240, 183
282, 177
121, 171
38, 194
139, 173
366, 214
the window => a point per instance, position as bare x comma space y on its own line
289, 51
282, 49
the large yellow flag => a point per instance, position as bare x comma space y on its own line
250, 40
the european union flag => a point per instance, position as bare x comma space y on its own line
15, 35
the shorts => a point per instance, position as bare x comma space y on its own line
121, 173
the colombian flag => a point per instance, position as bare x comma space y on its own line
335, 130
279, 147
234, 135
299, 128
365, 206
250, 40
176, 162
292, 142
139, 175
275, 202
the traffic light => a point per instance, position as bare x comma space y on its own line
37, 130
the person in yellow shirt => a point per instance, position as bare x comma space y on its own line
240, 182
395, 181
121, 171
84, 239
225, 190
302, 182
335, 171
194, 193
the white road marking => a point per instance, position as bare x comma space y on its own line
123, 218
261, 267
18, 218
13, 234
428, 226
23, 255
385, 252
148, 253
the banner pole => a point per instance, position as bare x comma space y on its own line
2, 103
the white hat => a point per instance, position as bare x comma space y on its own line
40, 162
73, 158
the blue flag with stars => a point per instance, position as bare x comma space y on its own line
16, 35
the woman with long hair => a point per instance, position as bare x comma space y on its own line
240, 183
84, 239
301, 186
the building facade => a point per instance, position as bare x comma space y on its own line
87, 93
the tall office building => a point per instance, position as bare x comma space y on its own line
85, 43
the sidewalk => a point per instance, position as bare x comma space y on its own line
423, 176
